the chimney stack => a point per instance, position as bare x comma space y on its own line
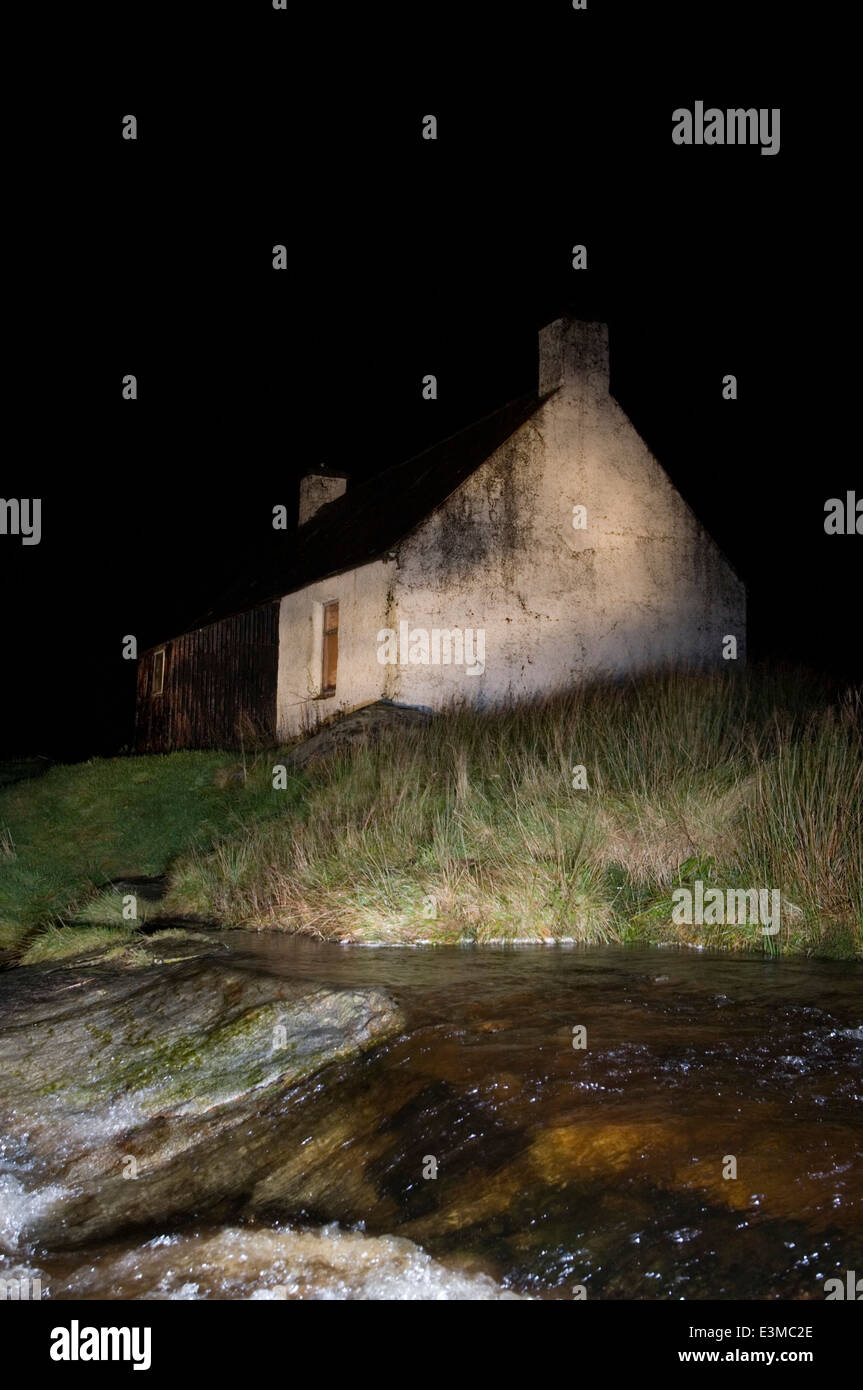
317, 489
573, 352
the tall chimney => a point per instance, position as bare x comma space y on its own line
317, 489
573, 352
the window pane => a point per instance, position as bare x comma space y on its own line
330, 648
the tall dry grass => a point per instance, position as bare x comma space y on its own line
470, 828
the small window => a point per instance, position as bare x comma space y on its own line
330, 649
158, 672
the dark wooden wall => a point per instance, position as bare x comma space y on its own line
215, 679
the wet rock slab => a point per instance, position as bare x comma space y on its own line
112, 1080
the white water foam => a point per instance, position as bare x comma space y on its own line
282, 1263
19, 1206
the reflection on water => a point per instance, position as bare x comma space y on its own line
481, 1151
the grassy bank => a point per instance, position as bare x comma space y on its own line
470, 828
67, 835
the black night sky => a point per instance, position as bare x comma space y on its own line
408, 257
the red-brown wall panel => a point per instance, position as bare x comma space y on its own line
216, 679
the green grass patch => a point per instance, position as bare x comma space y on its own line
65, 836
60, 942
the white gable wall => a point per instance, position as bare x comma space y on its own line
642, 585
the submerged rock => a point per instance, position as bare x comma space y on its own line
111, 1081
258, 1264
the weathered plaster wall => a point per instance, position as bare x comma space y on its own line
641, 586
362, 598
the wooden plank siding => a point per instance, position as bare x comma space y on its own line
215, 680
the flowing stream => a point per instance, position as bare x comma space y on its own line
546, 1122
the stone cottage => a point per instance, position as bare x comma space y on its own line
541, 546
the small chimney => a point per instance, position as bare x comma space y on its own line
317, 489
573, 352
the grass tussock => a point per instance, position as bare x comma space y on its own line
470, 828
55, 942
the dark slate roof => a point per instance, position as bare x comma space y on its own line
369, 519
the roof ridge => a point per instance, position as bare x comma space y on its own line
370, 518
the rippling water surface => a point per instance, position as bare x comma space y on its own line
608, 1169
